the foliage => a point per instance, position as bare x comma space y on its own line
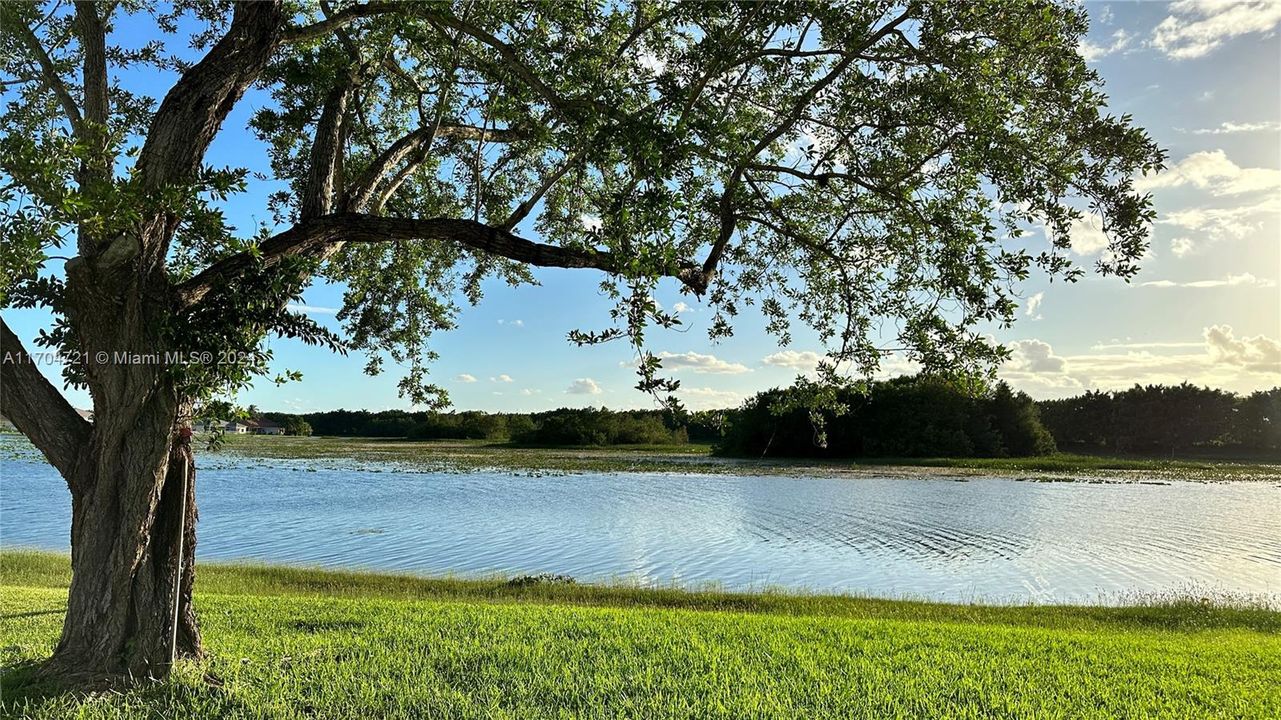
1166, 419
599, 426
870, 169
917, 416
297, 426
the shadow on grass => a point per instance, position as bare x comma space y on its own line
26, 691
33, 613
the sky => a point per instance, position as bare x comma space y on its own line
1204, 78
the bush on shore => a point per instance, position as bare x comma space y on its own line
919, 416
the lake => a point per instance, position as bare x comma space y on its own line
991, 539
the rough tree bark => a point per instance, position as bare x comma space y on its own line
126, 488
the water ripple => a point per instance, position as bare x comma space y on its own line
925, 537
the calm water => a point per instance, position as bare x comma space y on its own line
988, 538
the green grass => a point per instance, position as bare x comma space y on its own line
294, 643
471, 455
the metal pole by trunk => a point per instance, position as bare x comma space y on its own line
177, 581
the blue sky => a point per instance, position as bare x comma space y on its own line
1204, 78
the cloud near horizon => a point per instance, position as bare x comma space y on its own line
1242, 280
700, 363
583, 386
1225, 361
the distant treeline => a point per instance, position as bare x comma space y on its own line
1166, 419
566, 426
916, 416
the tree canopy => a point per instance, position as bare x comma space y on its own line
871, 169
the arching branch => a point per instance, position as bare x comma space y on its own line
36, 407
728, 218
312, 237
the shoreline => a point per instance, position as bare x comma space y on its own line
1191, 610
36, 567
456, 455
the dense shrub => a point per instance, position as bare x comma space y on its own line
1166, 419
598, 426
904, 417
469, 425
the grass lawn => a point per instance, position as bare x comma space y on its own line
290, 643
696, 457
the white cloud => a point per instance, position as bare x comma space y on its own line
1244, 280
1115, 345
583, 386
1087, 235
1216, 224
591, 222
1212, 170
530, 392
1220, 360
465, 378
1231, 128
512, 323
1034, 306
504, 378
1257, 354
699, 363
311, 309
1196, 27
1034, 356
805, 360
709, 399
681, 307
1092, 52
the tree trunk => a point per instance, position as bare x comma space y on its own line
129, 505
124, 560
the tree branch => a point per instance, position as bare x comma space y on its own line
37, 409
327, 149
406, 146
512, 61
194, 109
93, 41
314, 236
338, 21
728, 218
12, 23
523, 210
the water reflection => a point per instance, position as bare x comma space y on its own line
930, 537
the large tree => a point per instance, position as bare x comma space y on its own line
869, 168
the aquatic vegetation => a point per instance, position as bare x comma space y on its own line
481, 456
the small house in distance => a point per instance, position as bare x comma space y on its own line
266, 427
